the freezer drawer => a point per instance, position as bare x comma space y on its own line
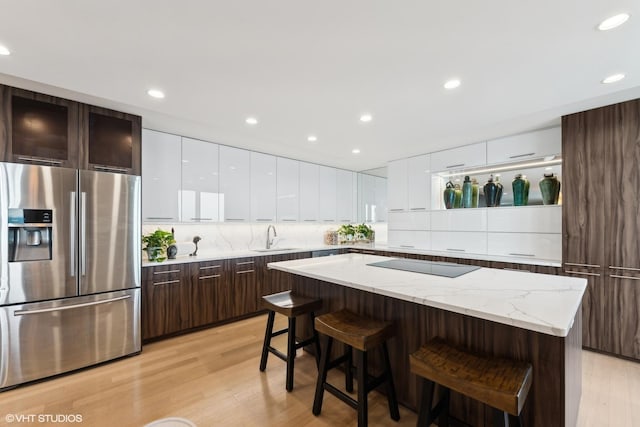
43, 339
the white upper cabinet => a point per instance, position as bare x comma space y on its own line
288, 178
263, 187
235, 184
346, 196
327, 198
525, 146
419, 182
380, 211
161, 168
366, 197
199, 194
460, 157
309, 191
397, 185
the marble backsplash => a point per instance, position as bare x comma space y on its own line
225, 237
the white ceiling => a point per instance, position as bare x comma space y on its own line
312, 67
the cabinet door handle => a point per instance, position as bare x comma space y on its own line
521, 155
37, 160
201, 219
582, 273
289, 220
209, 277
455, 166
616, 276
345, 220
417, 209
519, 254
407, 246
456, 250
166, 272
264, 219
209, 267
244, 263
168, 282
309, 220
623, 268
244, 271
109, 168
394, 210
582, 265
329, 220
234, 219
159, 217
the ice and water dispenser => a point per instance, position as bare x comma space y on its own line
30, 234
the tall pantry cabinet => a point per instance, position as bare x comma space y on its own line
601, 222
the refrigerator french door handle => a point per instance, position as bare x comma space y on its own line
83, 233
4, 231
72, 234
69, 307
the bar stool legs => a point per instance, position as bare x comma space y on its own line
267, 340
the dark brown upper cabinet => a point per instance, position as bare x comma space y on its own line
47, 130
38, 129
111, 140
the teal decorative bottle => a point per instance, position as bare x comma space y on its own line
457, 202
490, 190
520, 186
467, 193
475, 193
449, 195
499, 188
550, 189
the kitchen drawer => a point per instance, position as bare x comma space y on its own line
530, 145
459, 242
526, 219
526, 245
459, 220
210, 270
244, 265
418, 220
166, 274
409, 239
459, 158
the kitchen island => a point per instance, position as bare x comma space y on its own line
524, 316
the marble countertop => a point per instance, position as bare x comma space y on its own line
537, 302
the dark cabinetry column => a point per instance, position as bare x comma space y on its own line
165, 300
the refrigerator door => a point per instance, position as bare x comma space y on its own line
36, 278
48, 338
110, 230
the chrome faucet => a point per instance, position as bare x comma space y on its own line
269, 240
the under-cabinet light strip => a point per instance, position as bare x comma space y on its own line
503, 168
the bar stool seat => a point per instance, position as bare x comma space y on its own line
290, 305
360, 334
500, 383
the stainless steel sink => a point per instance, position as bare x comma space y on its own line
274, 249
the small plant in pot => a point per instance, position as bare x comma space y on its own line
156, 244
352, 233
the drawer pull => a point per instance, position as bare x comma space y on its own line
209, 267
616, 276
407, 246
417, 209
244, 271
623, 268
166, 272
309, 220
582, 265
521, 155
264, 219
168, 282
209, 277
244, 263
159, 217
519, 254
582, 273
456, 250
329, 220
455, 166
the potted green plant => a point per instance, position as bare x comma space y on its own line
156, 244
353, 233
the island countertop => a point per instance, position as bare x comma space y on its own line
538, 302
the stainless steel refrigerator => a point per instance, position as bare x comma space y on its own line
69, 270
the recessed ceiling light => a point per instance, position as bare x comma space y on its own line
312, 138
613, 22
366, 118
155, 93
251, 121
613, 78
355, 151
4, 51
452, 84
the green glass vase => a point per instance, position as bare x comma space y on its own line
550, 189
520, 187
449, 195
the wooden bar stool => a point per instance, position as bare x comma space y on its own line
361, 334
290, 305
500, 383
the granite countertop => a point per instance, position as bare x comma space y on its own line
536, 302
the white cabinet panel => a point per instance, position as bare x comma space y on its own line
526, 245
526, 219
288, 179
459, 158
235, 184
459, 242
309, 191
397, 185
380, 211
409, 239
366, 197
409, 221
346, 192
525, 146
199, 194
459, 220
263, 187
161, 174
328, 196
418, 182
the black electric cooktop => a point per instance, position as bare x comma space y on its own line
445, 269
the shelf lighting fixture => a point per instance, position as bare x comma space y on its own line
539, 163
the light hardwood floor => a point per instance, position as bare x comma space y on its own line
212, 378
